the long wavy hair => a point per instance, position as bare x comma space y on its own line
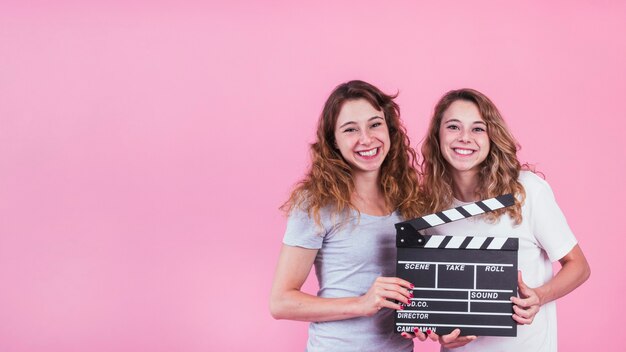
498, 173
328, 183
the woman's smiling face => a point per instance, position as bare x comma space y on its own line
362, 136
463, 137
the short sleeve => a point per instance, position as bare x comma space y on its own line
302, 231
548, 222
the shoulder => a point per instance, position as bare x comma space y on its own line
302, 230
304, 217
539, 194
532, 182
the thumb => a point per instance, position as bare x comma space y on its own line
451, 336
523, 288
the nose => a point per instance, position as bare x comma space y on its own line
464, 136
365, 137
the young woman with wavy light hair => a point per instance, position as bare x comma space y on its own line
497, 175
469, 155
361, 182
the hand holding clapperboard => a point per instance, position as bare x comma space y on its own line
460, 281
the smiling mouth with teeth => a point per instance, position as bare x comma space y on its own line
463, 151
370, 152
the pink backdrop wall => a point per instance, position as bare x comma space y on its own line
146, 146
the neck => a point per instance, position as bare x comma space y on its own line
465, 186
368, 196
367, 184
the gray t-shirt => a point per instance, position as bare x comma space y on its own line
351, 256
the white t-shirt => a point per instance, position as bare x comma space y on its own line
544, 237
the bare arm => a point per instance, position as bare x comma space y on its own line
288, 302
574, 271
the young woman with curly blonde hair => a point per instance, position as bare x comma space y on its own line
469, 155
361, 182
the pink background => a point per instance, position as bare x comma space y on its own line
146, 146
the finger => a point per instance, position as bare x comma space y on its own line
394, 292
522, 287
527, 314
389, 304
390, 299
395, 281
525, 292
395, 288
520, 302
525, 302
408, 335
520, 320
392, 295
520, 280
451, 336
419, 334
520, 312
461, 341
522, 316
392, 303
431, 335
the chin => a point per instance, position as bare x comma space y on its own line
359, 168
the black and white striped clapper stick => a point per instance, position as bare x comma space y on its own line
405, 229
460, 281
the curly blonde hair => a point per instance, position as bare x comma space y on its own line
499, 172
329, 184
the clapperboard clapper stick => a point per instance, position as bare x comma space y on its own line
460, 281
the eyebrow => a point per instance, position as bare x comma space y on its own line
368, 120
457, 120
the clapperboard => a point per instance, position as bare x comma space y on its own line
460, 282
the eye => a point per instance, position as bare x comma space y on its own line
376, 124
479, 129
452, 127
349, 130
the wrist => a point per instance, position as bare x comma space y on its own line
543, 293
354, 306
